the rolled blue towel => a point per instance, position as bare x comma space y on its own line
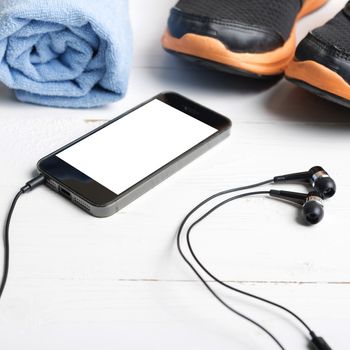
65, 53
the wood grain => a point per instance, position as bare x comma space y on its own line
77, 282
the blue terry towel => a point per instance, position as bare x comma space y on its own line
65, 53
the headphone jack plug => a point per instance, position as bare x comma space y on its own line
318, 343
33, 183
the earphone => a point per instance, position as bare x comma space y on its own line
311, 204
312, 208
317, 177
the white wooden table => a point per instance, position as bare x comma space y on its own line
77, 282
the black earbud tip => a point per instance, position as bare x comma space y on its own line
313, 212
326, 186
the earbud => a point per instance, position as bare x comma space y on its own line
312, 210
312, 204
316, 176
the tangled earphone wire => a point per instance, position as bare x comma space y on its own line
312, 209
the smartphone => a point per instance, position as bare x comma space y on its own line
108, 168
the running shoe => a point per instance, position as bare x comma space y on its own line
255, 38
322, 61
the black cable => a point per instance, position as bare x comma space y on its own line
200, 276
30, 185
317, 342
219, 194
217, 296
6, 243
225, 284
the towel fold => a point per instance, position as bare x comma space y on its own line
65, 53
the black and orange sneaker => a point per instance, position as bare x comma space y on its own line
322, 60
254, 38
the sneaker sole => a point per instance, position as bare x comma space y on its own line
222, 67
320, 80
214, 53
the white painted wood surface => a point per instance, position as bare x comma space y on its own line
77, 282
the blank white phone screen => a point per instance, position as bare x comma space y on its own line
133, 147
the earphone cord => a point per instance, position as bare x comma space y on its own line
223, 283
211, 275
6, 243
206, 284
30, 185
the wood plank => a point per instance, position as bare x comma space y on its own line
90, 314
78, 282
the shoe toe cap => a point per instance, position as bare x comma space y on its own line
314, 48
237, 37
